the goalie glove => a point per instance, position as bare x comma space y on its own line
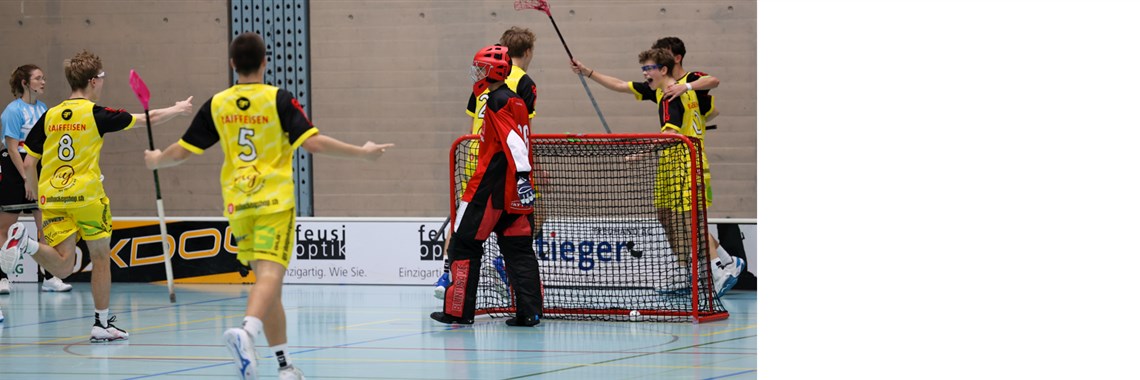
525, 190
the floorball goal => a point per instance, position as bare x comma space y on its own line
620, 229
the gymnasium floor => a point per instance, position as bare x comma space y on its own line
356, 332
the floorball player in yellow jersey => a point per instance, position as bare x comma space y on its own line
67, 141
259, 127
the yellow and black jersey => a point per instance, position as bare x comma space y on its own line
643, 91
682, 114
68, 139
518, 82
259, 127
703, 97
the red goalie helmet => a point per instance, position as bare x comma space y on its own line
491, 64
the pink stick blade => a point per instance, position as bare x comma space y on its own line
140, 89
539, 5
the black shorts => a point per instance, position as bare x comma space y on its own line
12, 198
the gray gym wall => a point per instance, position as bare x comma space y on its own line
389, 71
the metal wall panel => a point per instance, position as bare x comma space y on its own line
284, 24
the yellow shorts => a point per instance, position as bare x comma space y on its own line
92, 222
671, 188
265, 237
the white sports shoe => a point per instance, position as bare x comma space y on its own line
5, 286
108, 333
54, 284
1, 316
728, 276
240, 344
290, 372
720, 276
18, 243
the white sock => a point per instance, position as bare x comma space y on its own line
252, 325
103, 315
725, 258
33, 245
281, 351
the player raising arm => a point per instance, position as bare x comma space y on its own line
67, 140
659, 71
259, 127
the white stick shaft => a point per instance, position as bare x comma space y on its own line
165, 248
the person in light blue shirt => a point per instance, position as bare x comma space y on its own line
19, 116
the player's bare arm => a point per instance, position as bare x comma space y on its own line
14, 151
606, 81
329, 146
163, 115
173, 155
712, 115
707, 82
31, 177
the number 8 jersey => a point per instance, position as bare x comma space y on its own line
259, 127
68, 140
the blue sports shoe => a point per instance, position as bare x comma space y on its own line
732, 275
502, 270
441, 285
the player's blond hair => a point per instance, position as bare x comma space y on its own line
82, 68
517, 40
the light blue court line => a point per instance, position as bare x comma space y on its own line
131, 311
228, 362
730, 375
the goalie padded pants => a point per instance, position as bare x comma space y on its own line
476, 223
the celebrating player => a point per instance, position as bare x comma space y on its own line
499, 198
689, 81
259, 127
658, 69
68, 138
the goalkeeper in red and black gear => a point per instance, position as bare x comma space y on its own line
499, 199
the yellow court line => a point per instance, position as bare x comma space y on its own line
57, 340
728, 331
189, 322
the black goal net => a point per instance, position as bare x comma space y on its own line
619, 229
